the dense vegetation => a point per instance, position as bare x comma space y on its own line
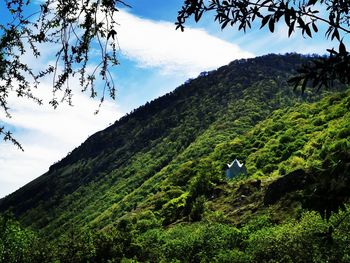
142, 240
152, 187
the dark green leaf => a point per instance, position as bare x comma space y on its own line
312, 2
301, 23
291, 28
287, 18
265, 20
342, 48
224, 24
308, 31
265, 2
272, 25
111, 33
198, 15
335, 34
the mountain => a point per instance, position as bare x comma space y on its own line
154, 181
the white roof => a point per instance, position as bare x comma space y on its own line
235, 162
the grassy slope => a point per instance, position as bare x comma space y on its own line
236, 224
156, 154
187, 212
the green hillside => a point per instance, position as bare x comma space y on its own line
152, 186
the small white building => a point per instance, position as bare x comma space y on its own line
235, 168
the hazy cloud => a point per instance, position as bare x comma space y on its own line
47, 135
158, 44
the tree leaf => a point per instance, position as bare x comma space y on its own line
224, 24
308, 31
111, 33
291, 28
312, 2
335, 34
272, 25
198, 15
342, 48
265, 20
287, 18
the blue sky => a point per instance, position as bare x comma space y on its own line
155, 59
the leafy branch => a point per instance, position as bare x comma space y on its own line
302, 15
76, 29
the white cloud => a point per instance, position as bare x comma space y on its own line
47, 135
158, 44
68, 123
18, 168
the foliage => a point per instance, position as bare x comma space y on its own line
301, 240
119, 168
152, 187
75, 28
303, 16
18, 244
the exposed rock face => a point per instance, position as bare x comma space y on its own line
291, 182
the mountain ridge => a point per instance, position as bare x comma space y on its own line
152, 187
119, 145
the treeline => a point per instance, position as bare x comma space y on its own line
104, 177
142, 239
152, 187
291, 207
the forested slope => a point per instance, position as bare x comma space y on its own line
115, 162
159, 173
